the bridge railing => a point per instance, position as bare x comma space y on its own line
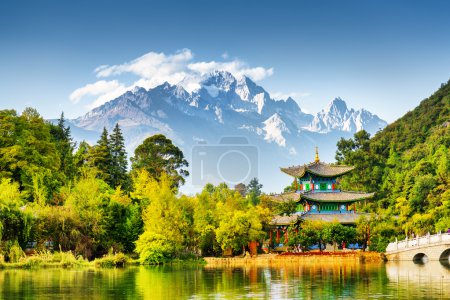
418, 241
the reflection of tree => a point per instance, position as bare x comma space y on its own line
310, 280
68, 284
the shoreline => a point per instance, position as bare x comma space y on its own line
265, 260
295, 258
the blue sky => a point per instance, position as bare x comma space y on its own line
385, 56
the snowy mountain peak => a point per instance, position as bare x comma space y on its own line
247, 89
337, 117
222, 80
337, 107
274, 128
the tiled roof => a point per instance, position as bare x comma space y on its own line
286, 197
336, 196
284, 220
343, 218
317, 168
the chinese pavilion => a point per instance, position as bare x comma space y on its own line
318, 196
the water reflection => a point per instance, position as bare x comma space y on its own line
338, 280
419, 280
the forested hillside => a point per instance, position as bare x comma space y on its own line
408, 166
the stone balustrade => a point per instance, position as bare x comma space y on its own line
434, 247
418, 241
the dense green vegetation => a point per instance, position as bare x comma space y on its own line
408, 166
57, 195
81, 199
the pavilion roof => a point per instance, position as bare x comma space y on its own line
284, 220
317, 168
343, 218
285, 197
342, 196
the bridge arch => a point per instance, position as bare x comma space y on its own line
445, 255
420, 258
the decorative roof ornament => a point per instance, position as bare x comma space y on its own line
317, 155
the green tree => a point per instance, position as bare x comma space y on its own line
65, 146
27, 148
237, 228
254, 191
81, 156
164, 223
158, 155
308, 236
119, 175
100, 157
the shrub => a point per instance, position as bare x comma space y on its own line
68, 260
15, 253
111, 261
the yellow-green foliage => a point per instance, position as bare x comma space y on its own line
15, 253
10, 195
111, 260
238, 227
48, 259
164, 222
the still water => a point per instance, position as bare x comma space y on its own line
340, 280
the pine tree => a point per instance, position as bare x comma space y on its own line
101, 158
254, 190
119, 174
65, 147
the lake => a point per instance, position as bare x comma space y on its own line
340, 280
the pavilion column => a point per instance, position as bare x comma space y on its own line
278, 236
286, 236
270, 237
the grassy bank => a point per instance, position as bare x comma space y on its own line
48, 259
296, 258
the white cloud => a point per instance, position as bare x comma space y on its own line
150, 65
153, 69
101, 87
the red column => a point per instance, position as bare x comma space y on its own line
286, 236
278, 236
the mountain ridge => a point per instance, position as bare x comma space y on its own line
222, 106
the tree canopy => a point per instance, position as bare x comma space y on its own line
157, 155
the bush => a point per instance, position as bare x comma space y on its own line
32, 262
111, 261
154, 248
15, 253
68, 260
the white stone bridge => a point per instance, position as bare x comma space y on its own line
428, 247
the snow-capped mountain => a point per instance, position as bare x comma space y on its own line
227, 106
336, 116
